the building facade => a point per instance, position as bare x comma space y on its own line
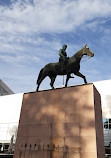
4, 89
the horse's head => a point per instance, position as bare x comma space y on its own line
87, 51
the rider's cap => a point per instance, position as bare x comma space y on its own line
64, 46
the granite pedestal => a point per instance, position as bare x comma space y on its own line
61, 123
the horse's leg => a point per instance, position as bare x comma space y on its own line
52, 81
37, 87
67, 79
39, 82
80, 75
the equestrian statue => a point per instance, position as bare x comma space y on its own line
65, 66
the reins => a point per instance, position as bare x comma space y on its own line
85, 58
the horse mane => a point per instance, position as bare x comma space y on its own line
75, 55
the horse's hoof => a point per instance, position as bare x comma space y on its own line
37, 90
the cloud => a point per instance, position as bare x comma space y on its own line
95, 25
22, 23
48, 16
103, 88
19, 59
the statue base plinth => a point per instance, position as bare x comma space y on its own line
61, 123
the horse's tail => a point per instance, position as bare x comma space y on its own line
40, 74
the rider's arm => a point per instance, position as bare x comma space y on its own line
65, 54
60, 53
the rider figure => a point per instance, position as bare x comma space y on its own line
63, 58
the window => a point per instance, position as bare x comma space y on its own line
107, 123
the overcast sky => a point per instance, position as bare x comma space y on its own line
33, 31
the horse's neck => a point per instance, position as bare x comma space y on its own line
78, 55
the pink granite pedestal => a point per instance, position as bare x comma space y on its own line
61, 123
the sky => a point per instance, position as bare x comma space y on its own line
33, 31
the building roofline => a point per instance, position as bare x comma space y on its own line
4, 86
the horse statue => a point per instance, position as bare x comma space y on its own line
73, 66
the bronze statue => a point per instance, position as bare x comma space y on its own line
72, 66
